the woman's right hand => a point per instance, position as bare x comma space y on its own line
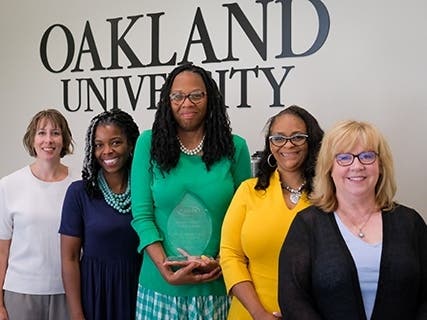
181, 272
189, 272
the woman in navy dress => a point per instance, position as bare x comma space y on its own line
100, 263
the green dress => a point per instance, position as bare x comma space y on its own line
183, 208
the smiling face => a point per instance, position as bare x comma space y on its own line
48, 140
111, 148
189, 115
290, 158
357, 179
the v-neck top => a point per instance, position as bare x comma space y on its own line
367, 259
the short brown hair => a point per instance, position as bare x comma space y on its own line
342, 137
57, 119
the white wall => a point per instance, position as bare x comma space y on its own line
371, 67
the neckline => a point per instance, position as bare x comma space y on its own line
342, 227
294, 194
191, 152
48, 182
276, 182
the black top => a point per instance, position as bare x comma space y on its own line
318, 277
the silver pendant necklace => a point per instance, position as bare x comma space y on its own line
361, 234
294, 194
191, 152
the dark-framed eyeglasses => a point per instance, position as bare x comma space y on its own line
347, 159
179, 97
297, 139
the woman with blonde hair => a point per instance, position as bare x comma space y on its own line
356, 253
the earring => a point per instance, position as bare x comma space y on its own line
269, 161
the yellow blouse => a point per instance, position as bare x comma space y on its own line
253, 231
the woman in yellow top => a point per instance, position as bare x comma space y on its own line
262, 210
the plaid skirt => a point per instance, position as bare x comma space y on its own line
151, 305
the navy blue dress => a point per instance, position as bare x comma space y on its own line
110, 262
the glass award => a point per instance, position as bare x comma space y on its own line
189, 226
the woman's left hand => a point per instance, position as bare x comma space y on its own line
195, 269
188, 272
206, 264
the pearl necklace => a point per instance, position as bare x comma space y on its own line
191, 152
120, 202
295, 194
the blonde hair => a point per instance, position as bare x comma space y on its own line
341, 138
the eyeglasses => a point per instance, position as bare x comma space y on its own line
297, 139
347, 159
179, 97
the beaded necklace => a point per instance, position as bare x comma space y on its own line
191, 152
121, 201
294, 194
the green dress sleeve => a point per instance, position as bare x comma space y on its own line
141, 193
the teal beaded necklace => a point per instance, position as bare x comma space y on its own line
120, 202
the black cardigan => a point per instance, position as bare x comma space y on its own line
318, 278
